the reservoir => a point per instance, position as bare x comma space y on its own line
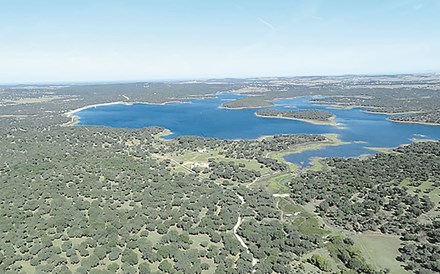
204, 117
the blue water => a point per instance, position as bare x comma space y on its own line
203, 117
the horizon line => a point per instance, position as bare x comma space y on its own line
177, 79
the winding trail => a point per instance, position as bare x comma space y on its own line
239, 219
237, 225
242, 243
241, 198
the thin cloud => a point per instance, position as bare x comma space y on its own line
267, 24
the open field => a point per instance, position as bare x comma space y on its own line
323, 252
276, 184
379, 250
425, 188
34, 100
333, 141
305, 221
200, 159
316, 164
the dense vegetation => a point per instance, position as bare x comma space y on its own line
306, 114
404, 93
373, 194
432, 117
46, 104
245, 149
381, 94
344, 250
88, 199
424, 102
247, 102
105, 200
388, 100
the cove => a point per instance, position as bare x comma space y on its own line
204, 117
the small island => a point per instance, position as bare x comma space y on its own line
313, 116
247, 102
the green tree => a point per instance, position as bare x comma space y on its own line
129, 256
166, 266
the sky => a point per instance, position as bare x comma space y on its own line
130, 40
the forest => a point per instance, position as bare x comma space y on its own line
247, 102
416, 95
94, 200
372, 194
79, 199
432, 117
306, 114
413, 94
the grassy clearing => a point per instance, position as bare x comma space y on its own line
306, 223
323, 252
316, 164
379, 250
35, 100
200, 158
332, 138
276, 185
314, 146
27, 267
197, 240
425, 188
14, 116
194, 156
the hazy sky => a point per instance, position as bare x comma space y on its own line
110, 40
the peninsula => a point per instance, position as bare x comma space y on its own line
314, 116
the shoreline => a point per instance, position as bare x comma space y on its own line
164, 133
331, 121
381, 149
365, 109
75, 118
413, 122
238, 108
271, 103
332, 140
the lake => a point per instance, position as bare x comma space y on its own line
204, 117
